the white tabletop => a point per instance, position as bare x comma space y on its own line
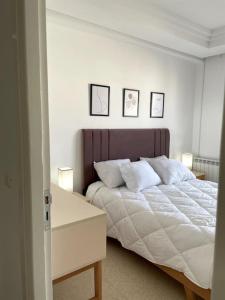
67, 208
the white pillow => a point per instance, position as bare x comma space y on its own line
109, 172
150, 159
139, 175
172, 171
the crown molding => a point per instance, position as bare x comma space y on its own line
180, 25
218, 37
59, 18
146, 23
202, 35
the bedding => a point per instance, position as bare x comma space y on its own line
109, 172
171, 171
139, 175
152, 159
170, 225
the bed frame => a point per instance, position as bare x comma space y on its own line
106, 144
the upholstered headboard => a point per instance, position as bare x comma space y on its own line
106, 144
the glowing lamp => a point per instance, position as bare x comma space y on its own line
65, 178
187, 160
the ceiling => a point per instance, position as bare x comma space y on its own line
207, 13
193, 27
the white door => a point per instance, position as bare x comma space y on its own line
36, 48
25, 260
45, 147
37, 96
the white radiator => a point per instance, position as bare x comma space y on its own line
209, 166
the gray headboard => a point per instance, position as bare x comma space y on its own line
106, 144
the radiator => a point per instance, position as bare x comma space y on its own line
209, 166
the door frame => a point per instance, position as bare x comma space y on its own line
218, 289
34, 155
34, 145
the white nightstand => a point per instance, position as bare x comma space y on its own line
78, 195
78, 237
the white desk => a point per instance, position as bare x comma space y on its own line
78, 237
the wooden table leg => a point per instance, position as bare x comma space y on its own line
98, 280
190, 295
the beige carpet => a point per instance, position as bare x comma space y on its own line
126, 276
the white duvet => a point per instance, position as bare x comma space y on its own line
170, 225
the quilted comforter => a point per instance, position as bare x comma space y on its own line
170, 225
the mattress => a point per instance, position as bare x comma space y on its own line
170, 225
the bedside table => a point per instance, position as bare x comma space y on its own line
78, 237
80, 196
199, 175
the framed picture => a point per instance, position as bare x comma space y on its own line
99, 100
157, 105
130, 103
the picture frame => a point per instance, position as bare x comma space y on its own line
131, 103
157, 105
99, 100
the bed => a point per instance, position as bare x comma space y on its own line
172, 226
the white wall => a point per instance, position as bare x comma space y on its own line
78, 56
212, 107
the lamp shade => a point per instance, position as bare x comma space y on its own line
187, 160
65, 178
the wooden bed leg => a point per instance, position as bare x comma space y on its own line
190, 295
98, 280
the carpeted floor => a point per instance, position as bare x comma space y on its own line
126, 276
